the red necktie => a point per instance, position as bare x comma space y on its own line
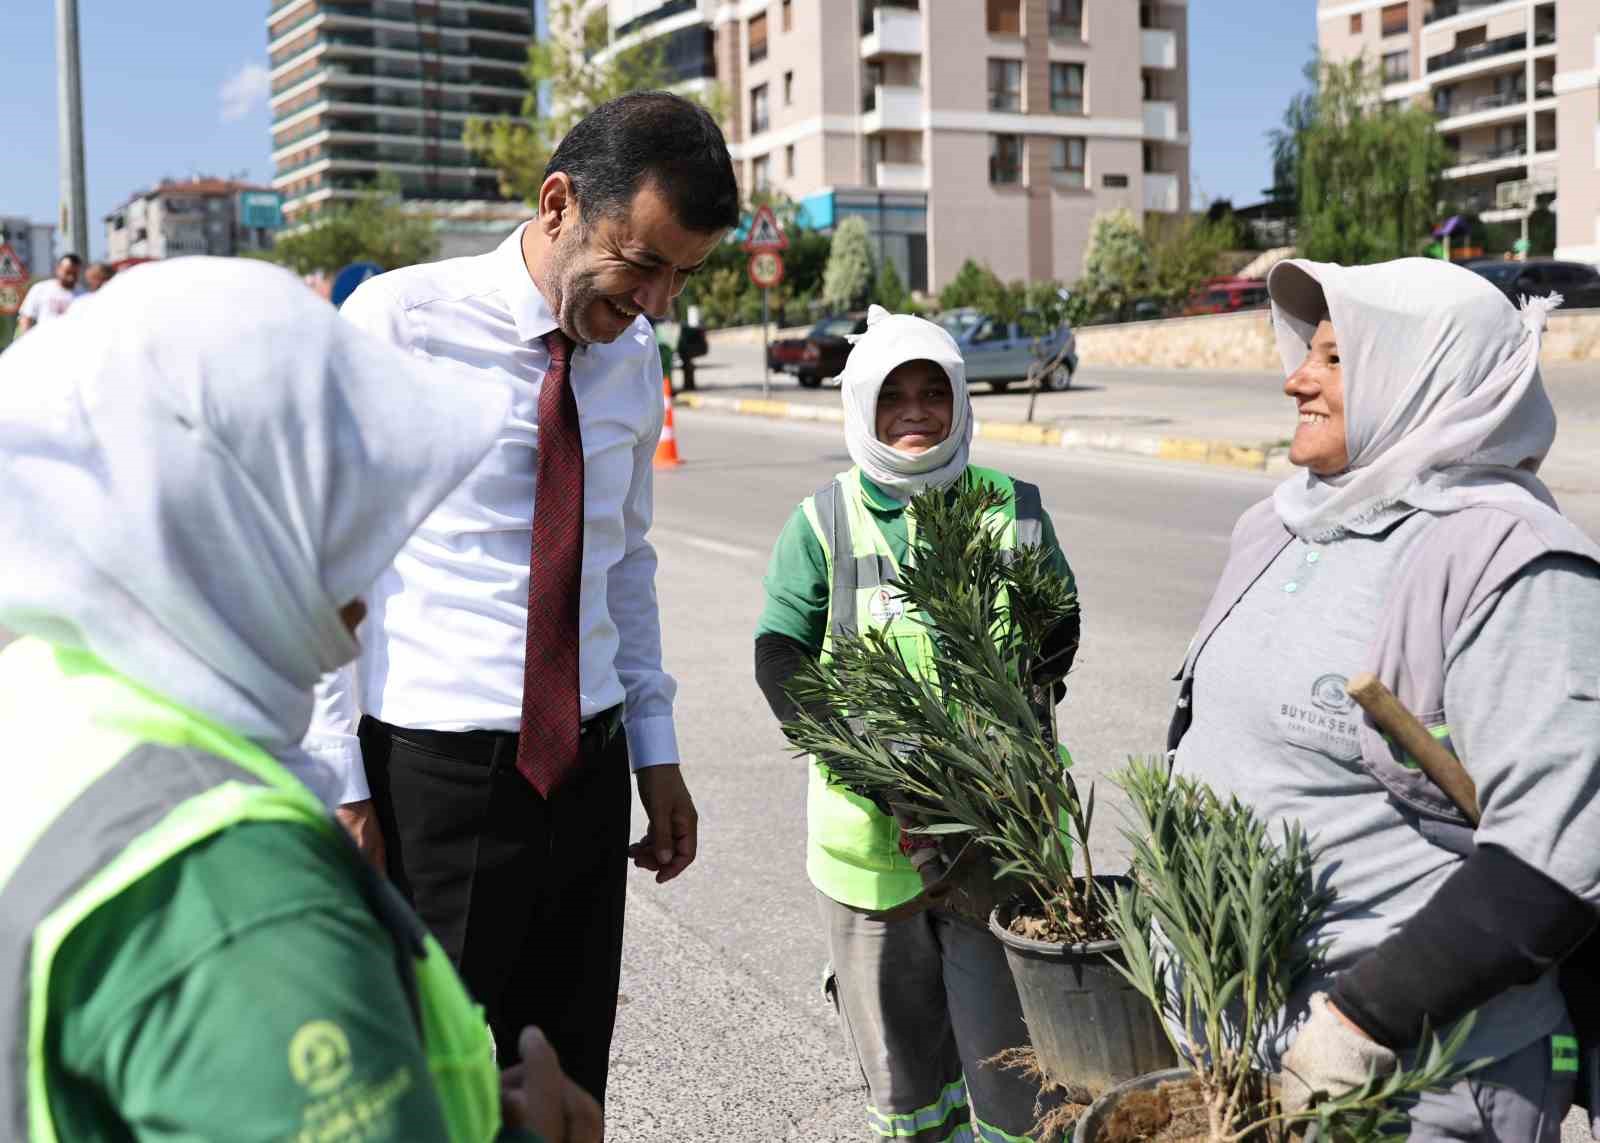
547, 747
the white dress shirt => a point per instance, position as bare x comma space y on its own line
443, 641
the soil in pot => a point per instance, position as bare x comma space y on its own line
1171, 1113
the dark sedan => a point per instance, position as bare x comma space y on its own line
1576, 282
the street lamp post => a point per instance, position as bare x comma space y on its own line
74, 199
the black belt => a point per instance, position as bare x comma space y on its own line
596, 733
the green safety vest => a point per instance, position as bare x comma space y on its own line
119, 780
853, 848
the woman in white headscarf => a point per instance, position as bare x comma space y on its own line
1417, 543
926, 996
201, 472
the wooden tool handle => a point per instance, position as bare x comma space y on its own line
1442, 767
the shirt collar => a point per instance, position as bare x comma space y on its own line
529, 311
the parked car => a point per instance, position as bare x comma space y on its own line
1576, 282
1226, 296
1002, 352
820, 354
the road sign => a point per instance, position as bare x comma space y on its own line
261, 209
13, 280
766, 269
346, 281
765, 233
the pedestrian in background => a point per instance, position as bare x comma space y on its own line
190, 947
486, 732
47, 300
924, 999
98, 274
1417, 543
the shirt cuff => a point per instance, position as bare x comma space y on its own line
652, 741
343, 756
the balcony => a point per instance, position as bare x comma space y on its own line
893, 108
1444, 9
1465, 164
901, 176
1161, 120
1161, 192
1485, 52
895, 31
1159, 48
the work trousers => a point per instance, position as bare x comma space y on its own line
923, 1002
524, 893
1520, 1099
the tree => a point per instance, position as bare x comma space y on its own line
849, 273
1188, 254
374, 228
563, 64
1116, 264
889, 291
974, 285
1369, 174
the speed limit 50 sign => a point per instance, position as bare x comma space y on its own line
766, 269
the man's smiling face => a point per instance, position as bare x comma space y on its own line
606, 271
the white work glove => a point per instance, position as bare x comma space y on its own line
1329, 1056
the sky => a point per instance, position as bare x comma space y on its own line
173, 88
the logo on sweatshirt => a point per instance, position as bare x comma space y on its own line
1328, 692
319, 1056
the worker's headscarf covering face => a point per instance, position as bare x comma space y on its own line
201, 466
892, 340
1444, 405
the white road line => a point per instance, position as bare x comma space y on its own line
704, 543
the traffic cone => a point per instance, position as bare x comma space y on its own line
667, 450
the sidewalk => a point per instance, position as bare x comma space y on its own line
1239, 420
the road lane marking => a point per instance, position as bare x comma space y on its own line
705, 543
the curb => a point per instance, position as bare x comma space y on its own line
1191, 450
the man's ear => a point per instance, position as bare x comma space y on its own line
558, 208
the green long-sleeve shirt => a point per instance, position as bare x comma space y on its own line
241, 991
797, 584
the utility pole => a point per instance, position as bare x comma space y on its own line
69, 110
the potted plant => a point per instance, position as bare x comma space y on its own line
1215, 940
963, 751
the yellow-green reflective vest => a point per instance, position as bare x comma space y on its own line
119, 781
852, 848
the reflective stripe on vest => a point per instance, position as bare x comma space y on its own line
853, 851
123, 783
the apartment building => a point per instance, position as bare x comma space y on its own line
220, 217
361, 87
1516, 87
33, 242
986, 129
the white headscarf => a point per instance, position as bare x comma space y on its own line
201, 466
892, 340
1444, 405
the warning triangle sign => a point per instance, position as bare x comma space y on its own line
12, 268
765, 233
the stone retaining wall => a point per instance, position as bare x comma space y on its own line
1243, 342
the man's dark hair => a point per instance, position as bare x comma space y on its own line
73, 258
651, 136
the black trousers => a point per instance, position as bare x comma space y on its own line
525, 894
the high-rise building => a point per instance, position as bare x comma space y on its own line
1514, 84
190, 216
363, 87
985, 129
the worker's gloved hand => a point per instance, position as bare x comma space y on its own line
537, 1096
1329, 1056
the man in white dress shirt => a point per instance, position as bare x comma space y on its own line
511, 665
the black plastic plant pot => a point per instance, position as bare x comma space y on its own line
1091, 1125
1090, 1029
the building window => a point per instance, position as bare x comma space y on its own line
1005, 85
788, 16
761, 174
788, 88
1066, 19
1005, 159
1149, 15
760, 118
788, 160
1396, 67
1067, 162
757, 32
1004, 17
1355, 24
1066, 88
1395, 20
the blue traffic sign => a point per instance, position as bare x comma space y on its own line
346, 280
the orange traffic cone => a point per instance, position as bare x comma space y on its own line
667, 450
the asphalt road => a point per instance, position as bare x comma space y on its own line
724, 1035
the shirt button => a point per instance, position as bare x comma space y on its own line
1313, 557
1291, 587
